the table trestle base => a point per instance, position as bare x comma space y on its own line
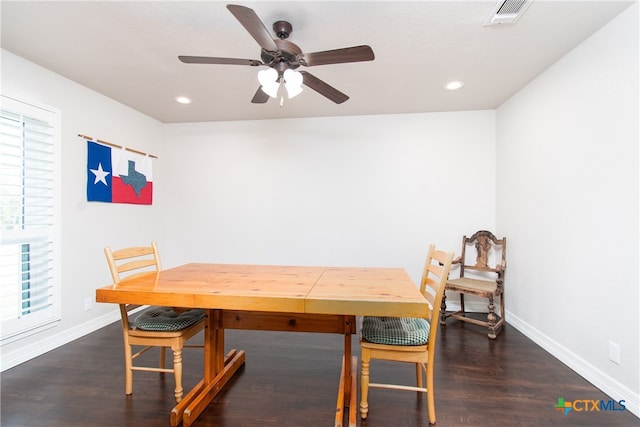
352, 396
192, 405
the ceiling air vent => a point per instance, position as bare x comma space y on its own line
507, 11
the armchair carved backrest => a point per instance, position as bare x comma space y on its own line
490, 252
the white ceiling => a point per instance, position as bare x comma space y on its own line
128, 51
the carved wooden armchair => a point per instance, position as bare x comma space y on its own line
480, 277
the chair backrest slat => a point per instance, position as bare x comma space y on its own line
132, 252
136, 265
135, 260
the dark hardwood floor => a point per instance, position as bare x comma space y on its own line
291, 379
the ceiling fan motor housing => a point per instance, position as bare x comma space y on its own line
282, 29
287, 57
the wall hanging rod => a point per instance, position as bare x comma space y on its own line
116, 146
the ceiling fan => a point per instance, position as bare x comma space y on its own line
283, 57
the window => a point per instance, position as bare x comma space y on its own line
29, 218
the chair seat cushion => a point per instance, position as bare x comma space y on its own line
166, 319
395, 330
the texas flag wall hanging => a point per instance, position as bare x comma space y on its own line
116, 175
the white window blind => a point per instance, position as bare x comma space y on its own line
29, 219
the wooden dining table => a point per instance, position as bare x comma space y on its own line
276, 298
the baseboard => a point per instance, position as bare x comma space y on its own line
599, 379
53, 341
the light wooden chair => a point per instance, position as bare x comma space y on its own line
404, 339
482, 277
156, 327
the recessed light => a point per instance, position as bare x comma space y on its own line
183, 100
454, 85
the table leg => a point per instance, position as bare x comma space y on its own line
347, 390
344, 399
347, 365
215, 357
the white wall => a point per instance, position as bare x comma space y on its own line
368, 191
86, 227
567, 198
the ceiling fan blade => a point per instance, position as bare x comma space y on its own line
213, 60
337, 56
323, 88
254, 26
260, 97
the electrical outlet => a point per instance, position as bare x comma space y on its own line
88, 302
614, 352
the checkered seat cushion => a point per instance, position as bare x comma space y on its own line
166, 319
395, 330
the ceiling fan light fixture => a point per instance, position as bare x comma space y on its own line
269, 82
293, 83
